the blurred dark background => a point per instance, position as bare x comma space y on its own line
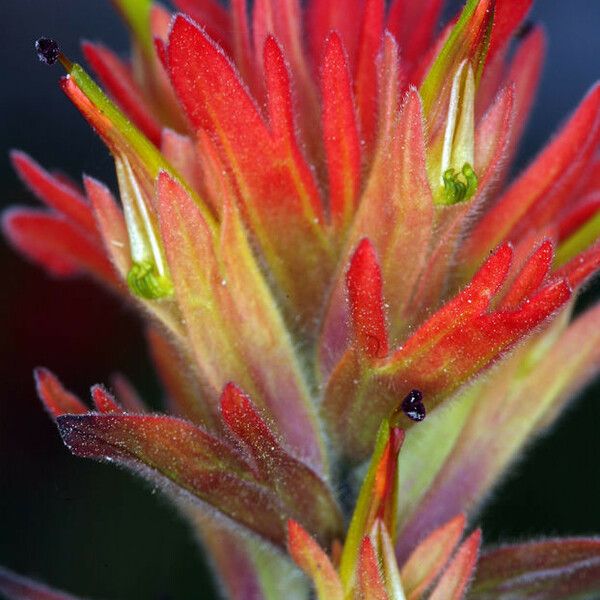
95, 530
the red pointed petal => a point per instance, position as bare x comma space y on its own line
281, 121
531, 276
117, 79
282, 19
309, 556
15, 587
104, 401
472, 301
57, 400
413, 25
527, 203
324, 16
508, 16
365, 78
299, 487
53, 192
212, 17
242, 419
492, 139
56, 244
365, 292
340, 133
549, 569
579, 269
472, 347
525, 72
390, 81
242, 46
456, 578
429, 558
578, 215
173, 452
369, 578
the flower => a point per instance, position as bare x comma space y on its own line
314, 218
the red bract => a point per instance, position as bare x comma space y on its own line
314, 218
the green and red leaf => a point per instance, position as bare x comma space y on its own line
552, 569
275, 187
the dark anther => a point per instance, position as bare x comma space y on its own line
47, 50
413, 407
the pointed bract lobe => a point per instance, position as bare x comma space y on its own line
57, 244
104, 401
456, 578
212, 17
324, 16
369, 580
340, 133
365, 77
365, 288
54, 193
295, 484
413, 25
531, 276
57, 400
309, 556
431, 556
508, 15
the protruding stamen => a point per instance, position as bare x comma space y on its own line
412, 406
47, 50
